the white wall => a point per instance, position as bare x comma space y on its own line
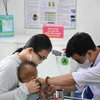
88, 14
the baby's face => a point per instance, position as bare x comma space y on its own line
27, 72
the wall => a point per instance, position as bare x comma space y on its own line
88, 15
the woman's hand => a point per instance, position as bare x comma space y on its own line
51, 90
43, 95
47, 92
41, 80
43, 83
33, 86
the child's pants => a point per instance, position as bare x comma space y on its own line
33, 96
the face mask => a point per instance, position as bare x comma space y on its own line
87, 64
34, 59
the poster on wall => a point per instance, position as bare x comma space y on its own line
6, 25
54, 31
41, 12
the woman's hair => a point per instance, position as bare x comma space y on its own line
37, 42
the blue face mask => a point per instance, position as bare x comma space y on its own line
85, 65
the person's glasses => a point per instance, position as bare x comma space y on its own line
41, 58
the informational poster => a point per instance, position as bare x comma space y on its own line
53, 31
6, 25
41, 12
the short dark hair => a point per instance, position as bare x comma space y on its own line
79, 43
26, 63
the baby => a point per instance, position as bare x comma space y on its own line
26, 72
